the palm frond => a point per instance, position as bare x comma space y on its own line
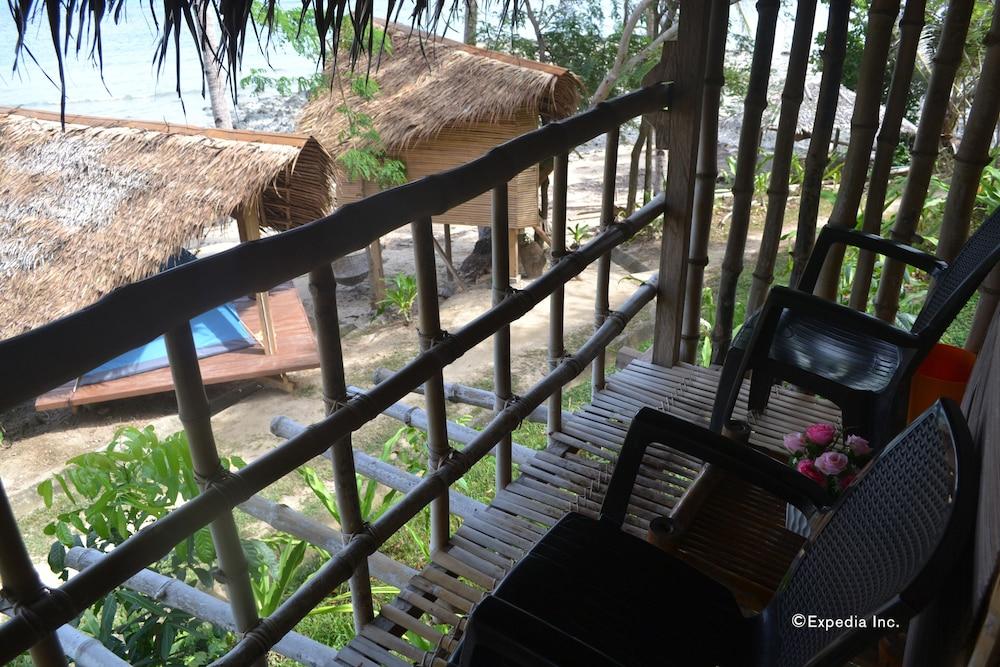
176, 18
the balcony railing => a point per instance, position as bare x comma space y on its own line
163, 304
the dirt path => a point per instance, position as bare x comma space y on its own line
244, 426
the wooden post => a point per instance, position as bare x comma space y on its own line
864, 125
195, 416
707, 173
784, 147
989, 296
834, 51
248, 226
947, 59
974, 152
911, 26
557, 347
21, 583
438, 449
376, 269
323, 287
601, 303
502, 383
743, 182
447, 242
687, 60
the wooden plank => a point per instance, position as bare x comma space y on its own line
298, 352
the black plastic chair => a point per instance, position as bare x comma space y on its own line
857, 361
590, 594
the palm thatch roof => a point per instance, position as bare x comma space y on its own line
427, 84
106, 202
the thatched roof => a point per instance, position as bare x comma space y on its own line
730, 123
429, 83
105, 202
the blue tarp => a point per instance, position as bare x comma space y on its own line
217, 331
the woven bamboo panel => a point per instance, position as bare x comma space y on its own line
456, 146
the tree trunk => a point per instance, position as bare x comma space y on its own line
633, 170
211, 62
471, 18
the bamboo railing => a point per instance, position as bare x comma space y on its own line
165, 303
98, 335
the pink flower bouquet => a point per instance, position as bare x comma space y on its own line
828, 456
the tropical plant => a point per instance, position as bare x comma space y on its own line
579, 233
400, 295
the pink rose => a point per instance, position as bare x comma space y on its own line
807, 468
845, 480
795, 443
859, 445
821, 434
831, 463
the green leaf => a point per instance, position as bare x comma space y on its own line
318, 487
45, 491
108, 618
203, 548
63, 533
57, 557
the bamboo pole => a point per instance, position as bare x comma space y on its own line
502, 384
601, 302
557, 302
974, 151
196, 418
155, 541
178, 595
284, 518
864, 125
438, 449
83, 650
705, 177
911, 26
463, 506
834, 51
927, 143
688, 72
746, 167
460, 393
784, 147
22, 585
323, 287
338, 568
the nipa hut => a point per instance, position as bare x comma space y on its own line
102, 203
440, 104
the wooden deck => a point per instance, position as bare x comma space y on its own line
738, 536
296, 351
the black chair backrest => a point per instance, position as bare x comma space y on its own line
884, 548
956, 284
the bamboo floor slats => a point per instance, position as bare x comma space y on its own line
737, 535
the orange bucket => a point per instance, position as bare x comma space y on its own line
945, 372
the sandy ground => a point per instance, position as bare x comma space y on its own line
35, 454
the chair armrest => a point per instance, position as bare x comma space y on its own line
536, 642
872, 242
805, 303
741, 460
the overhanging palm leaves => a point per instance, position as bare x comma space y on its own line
76, 24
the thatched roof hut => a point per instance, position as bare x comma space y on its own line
441, 103
102, 203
